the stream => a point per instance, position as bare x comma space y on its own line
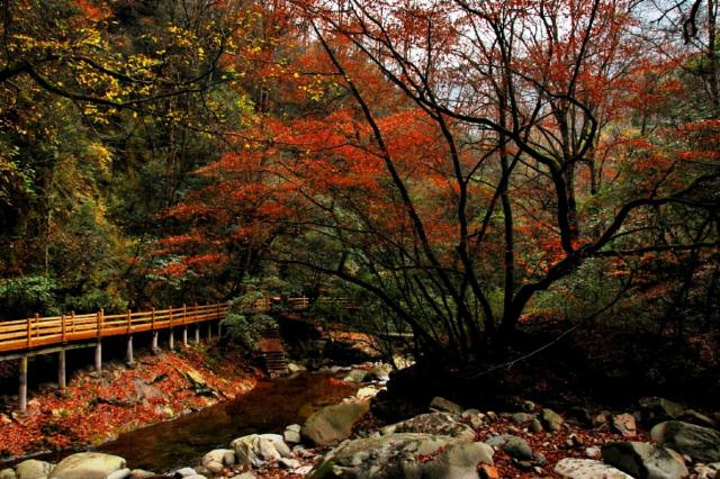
268, 408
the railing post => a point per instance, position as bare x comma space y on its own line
154, 346
73, 321
129, 321
29, 333
98, 347
37, 325
62, 327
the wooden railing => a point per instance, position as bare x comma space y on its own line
43, 331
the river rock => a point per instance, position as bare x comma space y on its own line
356, 376
700, 443
518, 448
226, 457
256, 449
435, 423
33, 469
444, 405
521, 418
551, 420
368, 392
87, 465
120, 474
657, 409
8, 474
625, 425
404, 455
141, 474
536, 426
292, 434
381, 372
588, 469
186, 472
643, 460
333, 424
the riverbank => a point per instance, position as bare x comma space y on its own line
97, 407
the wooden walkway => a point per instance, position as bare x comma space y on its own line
38, 331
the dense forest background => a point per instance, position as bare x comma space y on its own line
463, 167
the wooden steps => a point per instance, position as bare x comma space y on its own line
273, 353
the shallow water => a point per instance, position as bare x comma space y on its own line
269, 407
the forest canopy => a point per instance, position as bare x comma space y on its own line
462, 166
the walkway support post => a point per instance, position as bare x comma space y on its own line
129, 356
22, 392
154, 346
171, 342
98, 347
184, 335
62, 383
197, 333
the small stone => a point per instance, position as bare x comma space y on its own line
551, 420
528, 406
587, 469
625, 425
536, 426
33, 469
7, 474
593, 452
477, 421
186, 472
521, 418
289, 463
121, 474
470, 412
492, 416
518, 448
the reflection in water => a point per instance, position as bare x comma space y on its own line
269, 407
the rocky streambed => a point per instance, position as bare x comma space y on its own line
657, 439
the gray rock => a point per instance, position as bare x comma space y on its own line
587, 469
226, 457
87, 465
409, 455
708, 471
244, 475
496, 441
593, 452
521, 418
700, 443
33, 469
436, 423
656, 409
695, 417
536, 426
470, 412
195, 476
256, 449
444, 405
186, 472
551, 420
120, 474
292, 436
517, 447
356, 376
333, 424
476, 421
289, 463
643, 460
625, 425
381, 372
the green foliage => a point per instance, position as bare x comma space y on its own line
244, 325
26, 295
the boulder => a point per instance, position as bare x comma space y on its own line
257, 449
186, 472
436, 423
625, 424
700, 443
33, 469
404, 455
333, 424
87, 465
8, 474
444, 405
587, 469
643, 460
551, 420
705, 471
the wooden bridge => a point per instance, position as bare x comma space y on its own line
24, 338
34, 336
